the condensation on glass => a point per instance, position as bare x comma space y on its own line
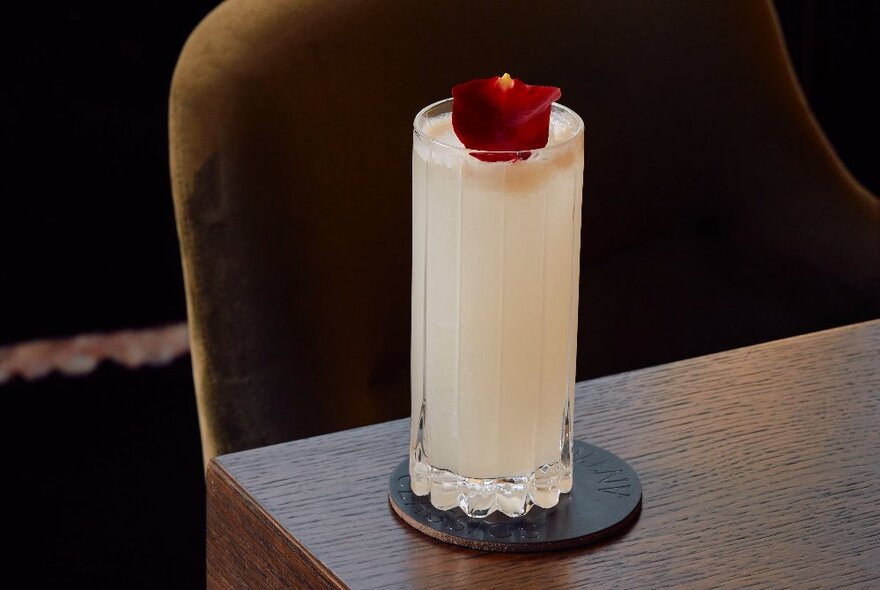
494, 317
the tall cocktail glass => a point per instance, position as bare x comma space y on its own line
496, 243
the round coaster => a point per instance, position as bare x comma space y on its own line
606, 498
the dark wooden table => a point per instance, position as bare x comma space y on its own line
760, 467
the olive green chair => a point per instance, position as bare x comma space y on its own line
716, 214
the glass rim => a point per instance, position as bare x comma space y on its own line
422, 115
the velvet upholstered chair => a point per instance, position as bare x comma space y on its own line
716, 214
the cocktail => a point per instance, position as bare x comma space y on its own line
496, 242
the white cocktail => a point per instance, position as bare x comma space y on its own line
494, 317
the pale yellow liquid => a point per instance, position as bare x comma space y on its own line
494, 302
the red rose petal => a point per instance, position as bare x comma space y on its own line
502, 114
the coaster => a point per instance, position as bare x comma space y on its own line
605, 500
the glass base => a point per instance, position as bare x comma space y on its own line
478, 498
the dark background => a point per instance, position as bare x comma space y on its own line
110, 488
87, 222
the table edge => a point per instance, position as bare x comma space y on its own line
221, 487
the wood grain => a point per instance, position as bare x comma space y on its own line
246, 549
760, 468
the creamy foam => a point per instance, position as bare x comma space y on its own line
439, 128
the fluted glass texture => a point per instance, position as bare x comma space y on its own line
494, 317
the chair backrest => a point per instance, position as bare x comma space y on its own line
290, 154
